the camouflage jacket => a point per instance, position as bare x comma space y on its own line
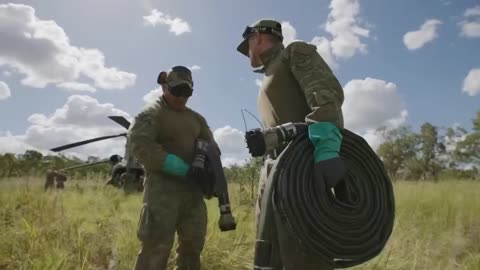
298, 86
159, 130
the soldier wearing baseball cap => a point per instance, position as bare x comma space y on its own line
177, 82
162, 138
298, 88
178, 75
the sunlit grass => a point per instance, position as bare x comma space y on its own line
88, 226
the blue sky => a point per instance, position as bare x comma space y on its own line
411, 85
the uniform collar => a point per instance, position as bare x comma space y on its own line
164, 103
268, 56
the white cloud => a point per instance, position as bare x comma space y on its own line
414, 40
195, 67
152, 96
471, 12
41, 50
343, 24
370, 104
7, 73
471, 83
92, 65
75, 86
176, 25
344, 27
258, 82
80, 118
471, 24
14, 144
373, 138
80, 110
232, 144
471, 29
289, 33
4, 91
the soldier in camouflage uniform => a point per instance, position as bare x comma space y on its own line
162, 138
55, 176
49, 180
298, 86
115, 177
60, 178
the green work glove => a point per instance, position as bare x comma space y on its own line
175, 166
326, 140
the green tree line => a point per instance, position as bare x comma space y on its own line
431, 153
34, 163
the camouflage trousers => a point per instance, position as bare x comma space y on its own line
171, 206
286, 253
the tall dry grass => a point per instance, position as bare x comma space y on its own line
88, 226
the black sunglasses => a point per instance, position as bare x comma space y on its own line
182, 90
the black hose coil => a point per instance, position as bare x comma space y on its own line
349, 225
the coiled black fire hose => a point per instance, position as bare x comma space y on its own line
350, 227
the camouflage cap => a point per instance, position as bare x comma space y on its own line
176, 76
262, 26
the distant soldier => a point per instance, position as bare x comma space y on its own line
60, 179
114, 179
49, 180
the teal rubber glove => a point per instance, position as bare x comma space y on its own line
326, 139
175, 166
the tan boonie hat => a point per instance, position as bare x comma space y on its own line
262, 26
176, 76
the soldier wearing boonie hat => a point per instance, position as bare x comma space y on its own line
298, 88
262, 26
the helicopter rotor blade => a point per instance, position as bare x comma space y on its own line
121, 121
71, 145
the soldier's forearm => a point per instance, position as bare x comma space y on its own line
150, 155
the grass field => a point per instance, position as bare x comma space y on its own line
88, 226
